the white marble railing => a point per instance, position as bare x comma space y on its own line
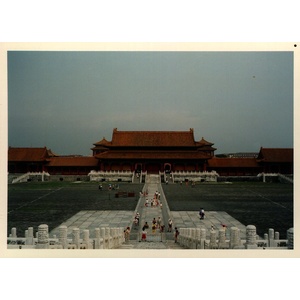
104, 238
195, 176
264, 175
196, 238
26, 176
111, 175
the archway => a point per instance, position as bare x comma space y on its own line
167, 168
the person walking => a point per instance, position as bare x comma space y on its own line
176, 234
144, 234
201, 213
158, 222
170, 224
127, 234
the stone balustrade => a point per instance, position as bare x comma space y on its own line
195, 176
111, 176
104, 238
195, 238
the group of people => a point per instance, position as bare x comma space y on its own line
157, 224
155, 201
144, 194
110, 186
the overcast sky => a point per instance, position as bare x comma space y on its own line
66, 101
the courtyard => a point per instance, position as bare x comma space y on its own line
265, 205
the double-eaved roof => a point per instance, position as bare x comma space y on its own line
152, 139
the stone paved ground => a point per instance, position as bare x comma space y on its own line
263, 205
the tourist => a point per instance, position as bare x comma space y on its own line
160, 205
158, 222
147, 202
146, 226
153, 228
144, 234
100, 187
154, 222
162, 228
170, 224
201, 213
137, 218
176, 234
127, 234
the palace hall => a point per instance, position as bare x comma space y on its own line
153, 151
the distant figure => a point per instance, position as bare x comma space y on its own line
144, 234
146, 226
170, 224
153, 228
100, 187
127, 234
176, 234
201, 213
158, 222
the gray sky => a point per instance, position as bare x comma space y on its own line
67, 101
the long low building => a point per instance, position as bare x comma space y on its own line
152, 152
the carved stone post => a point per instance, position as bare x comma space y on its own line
29, 238
193, 238
290, 238
271, 237
213, 239
43, 237
222, 239
121, 236
102, 234
14, 232
234, 237
86, 238
75, 237
63, 236
251, 237
198, 238
97, 238
108, 237
203, 238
